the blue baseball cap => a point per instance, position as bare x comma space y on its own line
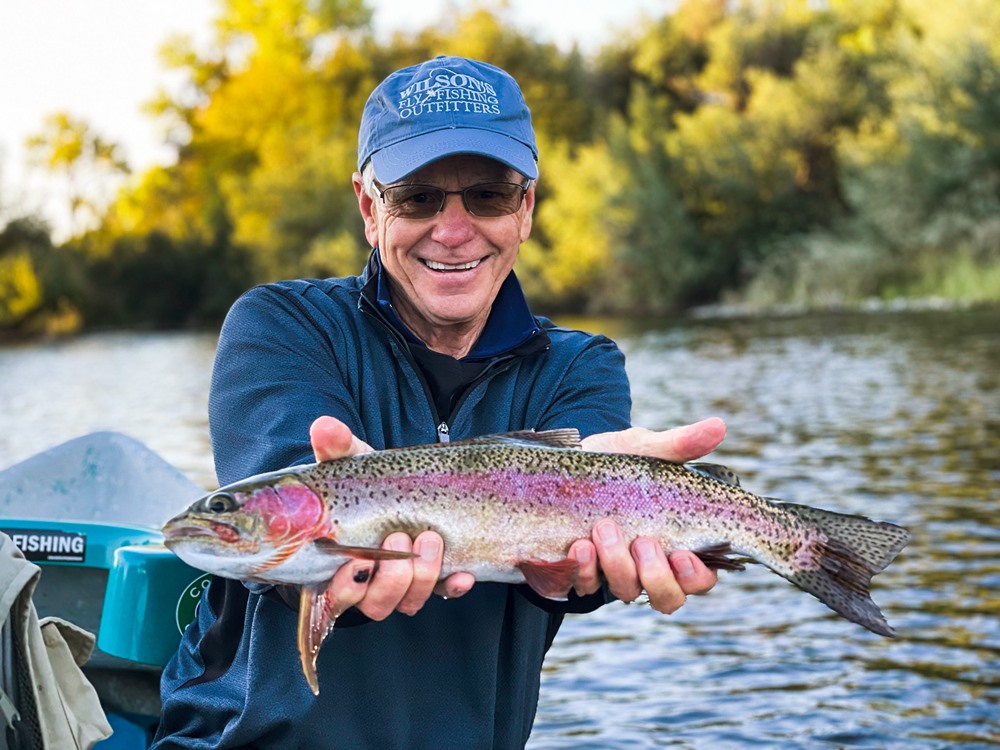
443, 107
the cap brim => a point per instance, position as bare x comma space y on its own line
395, 162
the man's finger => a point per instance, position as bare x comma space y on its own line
692, 575
656, 576
686, 443
455, 585
332, 439
616, 561
390, 582
679, 444
429, 548
588, 577
350, 584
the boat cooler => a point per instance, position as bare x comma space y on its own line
89, 513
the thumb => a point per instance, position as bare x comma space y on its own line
333, 439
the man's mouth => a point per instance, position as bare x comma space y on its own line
436, 266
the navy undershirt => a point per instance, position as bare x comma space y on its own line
446, 376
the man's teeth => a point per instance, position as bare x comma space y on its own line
434, 265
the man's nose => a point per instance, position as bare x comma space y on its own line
453, 224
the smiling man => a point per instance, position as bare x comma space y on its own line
434, 341
448, 236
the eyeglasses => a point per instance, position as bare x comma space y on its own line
487, 200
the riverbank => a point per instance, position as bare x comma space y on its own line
871, 305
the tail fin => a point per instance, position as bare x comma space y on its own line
856, 548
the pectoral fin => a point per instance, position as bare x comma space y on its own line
331, 547
553, 580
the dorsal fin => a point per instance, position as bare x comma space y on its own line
716, 471
562, 438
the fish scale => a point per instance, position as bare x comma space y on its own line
508, 508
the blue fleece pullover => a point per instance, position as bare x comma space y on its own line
462, 673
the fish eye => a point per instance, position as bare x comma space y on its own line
221, 502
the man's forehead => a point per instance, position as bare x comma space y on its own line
463, 167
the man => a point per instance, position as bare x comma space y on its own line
433, 342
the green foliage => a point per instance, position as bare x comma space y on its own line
926, 177
20, 291
152, 280
39, 287
661, 253
826, 269
555, 264
780, 151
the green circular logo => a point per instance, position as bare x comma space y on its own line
188, 602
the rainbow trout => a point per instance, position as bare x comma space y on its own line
508, 508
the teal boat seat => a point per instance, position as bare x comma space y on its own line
89, 512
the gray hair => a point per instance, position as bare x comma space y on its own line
368, 180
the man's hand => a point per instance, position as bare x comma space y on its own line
630, 569
403, 585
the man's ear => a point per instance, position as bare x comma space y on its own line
366, 204
529, 210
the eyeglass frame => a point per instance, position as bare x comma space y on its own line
383, 189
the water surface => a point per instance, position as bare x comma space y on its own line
892, 416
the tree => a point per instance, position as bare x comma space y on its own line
925, 177
712, 148
24, 243
88, 162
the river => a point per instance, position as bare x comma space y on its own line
896, 416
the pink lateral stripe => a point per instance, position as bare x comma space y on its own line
534, 490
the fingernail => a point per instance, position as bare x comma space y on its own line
429, 549
362, 576
607, 533
646, 550
683, 567
583, 555
398, 544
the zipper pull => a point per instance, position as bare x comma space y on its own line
443, 433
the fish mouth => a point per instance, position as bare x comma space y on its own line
179, 530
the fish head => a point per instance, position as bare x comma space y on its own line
246, 529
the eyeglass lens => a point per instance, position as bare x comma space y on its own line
423, 201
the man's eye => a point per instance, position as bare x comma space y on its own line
486, 194
412, 197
